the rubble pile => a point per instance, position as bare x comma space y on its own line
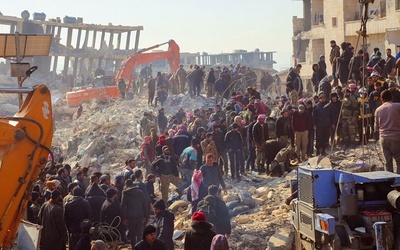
105, 135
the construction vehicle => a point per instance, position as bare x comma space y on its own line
335, 209
125, 72
24, 147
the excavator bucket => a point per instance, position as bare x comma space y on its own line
25, 141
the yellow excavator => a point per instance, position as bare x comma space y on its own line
25, 139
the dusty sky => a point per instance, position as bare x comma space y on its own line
197, 26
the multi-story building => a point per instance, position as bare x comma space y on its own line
339, 20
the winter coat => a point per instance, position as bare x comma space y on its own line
325, 87
166, 165
234, 140
260, 133
223, 223
219, 137
109, 210
76, 210
133, 204
209, 148
282, 126
199, 237
157, 245
54, 232
165, 228
322, 114
212, 175
335, 111
203, 192
294, 79
181, 141
301, 121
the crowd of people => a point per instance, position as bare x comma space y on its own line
197, 151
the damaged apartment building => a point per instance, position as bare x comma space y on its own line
339, 20
76, 48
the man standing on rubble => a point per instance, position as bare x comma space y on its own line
181, 74
335, 53
386, 122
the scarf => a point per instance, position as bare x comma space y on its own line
196, 182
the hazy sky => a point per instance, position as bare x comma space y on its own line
197, 26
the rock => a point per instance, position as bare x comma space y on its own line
242, 219
270, 194
263, 190
178, 204
282, 239
259, 201
252, 190
248, 238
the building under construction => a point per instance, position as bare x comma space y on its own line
80, 47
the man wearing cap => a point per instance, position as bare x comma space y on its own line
260, 136
335, 53
387, 123
54, 232
165, 224
394, 91
150, 241
301, 124
349, 118
201, 234
166, 166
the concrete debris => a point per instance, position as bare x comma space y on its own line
106, 135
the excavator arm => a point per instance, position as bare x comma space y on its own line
25, 140
128, 65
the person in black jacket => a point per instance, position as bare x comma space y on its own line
322, 121
234, 144
223, 222
260, 137
76, 210
150, 242
344, 61
251, 159
165, 224
201, 234
110, 208
134, 211
96, 196
166, 167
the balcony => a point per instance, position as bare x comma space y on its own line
374, 26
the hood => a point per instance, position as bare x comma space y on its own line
74, 200
131, 191
95, 190
200, 227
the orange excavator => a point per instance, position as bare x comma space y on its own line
126, 72
25, 139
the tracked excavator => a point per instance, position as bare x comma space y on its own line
126, 72
25, 139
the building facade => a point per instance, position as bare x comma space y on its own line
339, 20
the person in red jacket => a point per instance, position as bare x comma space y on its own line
301, 124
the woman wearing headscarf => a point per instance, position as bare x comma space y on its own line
197, 190
148, 154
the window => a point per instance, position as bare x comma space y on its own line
397, 4
334, 21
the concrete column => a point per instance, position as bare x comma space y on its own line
137, 40
128, 40
110, 42
94, 39
78, 40
90, 66
66, 59
85, 42
118, 41
103, 33
307, 14
12, 28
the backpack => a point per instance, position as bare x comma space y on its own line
207, 207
